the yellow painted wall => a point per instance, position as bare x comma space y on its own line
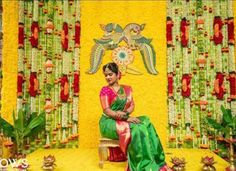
149, 91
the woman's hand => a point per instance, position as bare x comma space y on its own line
120, 114
133, 120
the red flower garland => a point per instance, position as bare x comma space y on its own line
64, 94
170, 84
217, 26
230, 24
33, 84
76, 83
218, 86
169, 25
232, 81
184, 28
21, 35
186, 86
34, 31
64, 37
20, 81
77, 34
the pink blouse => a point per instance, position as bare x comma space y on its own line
108, 96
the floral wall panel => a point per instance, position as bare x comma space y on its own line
201, 71
48, 68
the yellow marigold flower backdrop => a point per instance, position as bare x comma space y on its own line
149, 91
9, 58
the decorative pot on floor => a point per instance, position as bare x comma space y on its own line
208, 164
49, 163
179, 164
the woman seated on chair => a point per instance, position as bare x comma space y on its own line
137, 136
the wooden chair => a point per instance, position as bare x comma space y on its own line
103, 149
